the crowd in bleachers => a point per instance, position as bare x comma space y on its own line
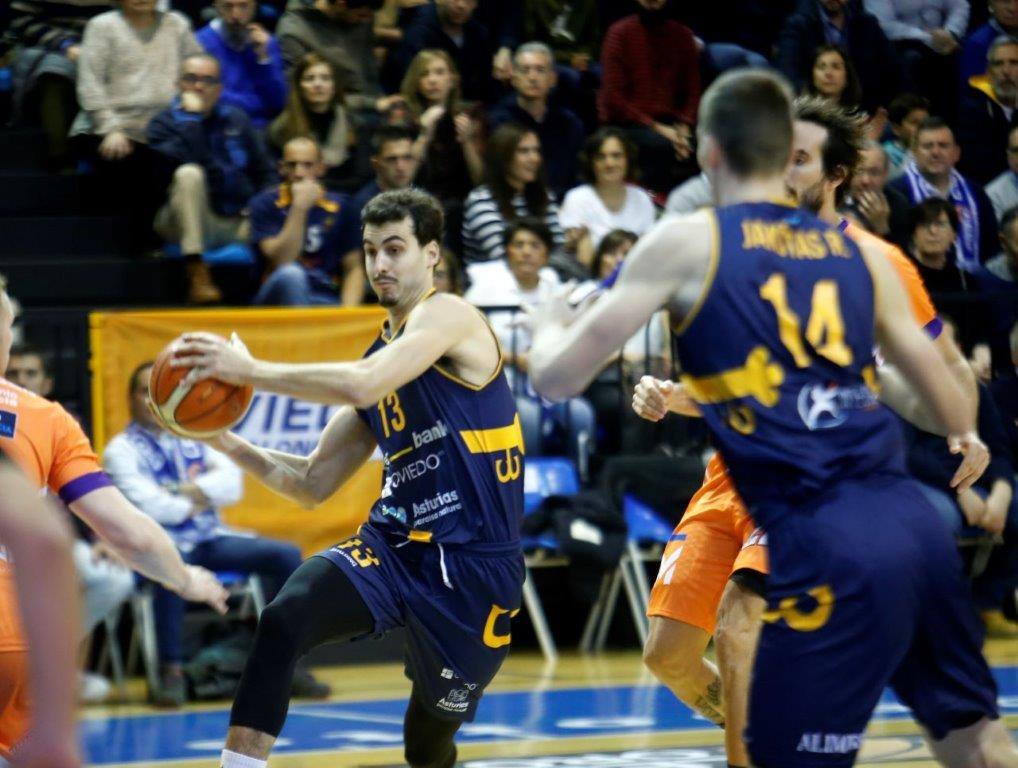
554, 133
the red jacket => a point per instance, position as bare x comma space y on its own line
649, 74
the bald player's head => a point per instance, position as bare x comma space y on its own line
302, 159
745, 124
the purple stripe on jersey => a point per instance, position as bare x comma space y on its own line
843, 225
934, 328
80, 486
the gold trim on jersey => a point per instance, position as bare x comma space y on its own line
760, 377
498, 367
499, 440
385, 323
708, 281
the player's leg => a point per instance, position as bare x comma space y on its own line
674, 653
944, 678
735, 639
985, 744
695, 567
319, 603
427, 738
15, 712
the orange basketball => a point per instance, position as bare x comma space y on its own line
204, 409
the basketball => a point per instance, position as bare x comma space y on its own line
203, 409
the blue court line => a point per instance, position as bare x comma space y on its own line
522, 715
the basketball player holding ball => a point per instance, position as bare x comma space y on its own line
440, 553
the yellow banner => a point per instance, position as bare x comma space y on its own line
121, 341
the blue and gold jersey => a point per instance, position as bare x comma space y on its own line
779, 355
453, 456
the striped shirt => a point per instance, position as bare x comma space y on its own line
484, 226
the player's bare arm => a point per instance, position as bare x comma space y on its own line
440, 327
40, 542
667, 267
345, 444
905, 346
145, 547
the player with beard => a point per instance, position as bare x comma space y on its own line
440, 553
713, 571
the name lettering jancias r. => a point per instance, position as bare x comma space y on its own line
783, 240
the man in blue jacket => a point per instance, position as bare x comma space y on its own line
219, 164
252, 66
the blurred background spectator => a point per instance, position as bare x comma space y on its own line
904, 116
393, 162
986, 114
1005, 264
317, 107
1003, 190
933, 230
881, 209
611, 201
310, 237
1003, 21
832, 76
249, 60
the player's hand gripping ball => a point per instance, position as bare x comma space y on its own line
199, 409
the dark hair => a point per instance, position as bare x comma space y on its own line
846, 136
422, 209
609, 244
452, 262
529, 224
134, 375
1010, 217
904, 105
24, 348
294, 120
932, 123
501, 150
928, 211
384, 134
748, 112
593, 147
852, 95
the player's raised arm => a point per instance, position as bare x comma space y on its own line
667, 266
905, 346
433, 330
345, 444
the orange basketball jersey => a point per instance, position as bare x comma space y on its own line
48, 445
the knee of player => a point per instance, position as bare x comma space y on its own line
279, 626
669, 661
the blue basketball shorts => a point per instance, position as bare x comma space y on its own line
455, 602
866, 590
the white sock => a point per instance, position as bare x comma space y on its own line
237, 760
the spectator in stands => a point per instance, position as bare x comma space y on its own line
514, 188
524, 280
560, 130
841, 23
448, 25
690, 195
904, 115
931, 173
309, 236
317, 108
47, 36
340, 31
651, 87
611, 201
393, 161
448, 149
1003, 21
182, 484
249, 58
1005, 264
833, 77
448, 273
1003, 190
569, 29
987, 113
128, 67
105, 583
933, 229
218, 164
881, 209
926, 34
1005, 394
989, 504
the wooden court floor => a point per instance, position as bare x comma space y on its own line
600, 711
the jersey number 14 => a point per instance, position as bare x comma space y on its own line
825, 329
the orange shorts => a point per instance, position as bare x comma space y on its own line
715, 538
15, 714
